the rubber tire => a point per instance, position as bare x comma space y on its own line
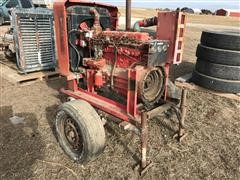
229, 40
218, 56
218, 70
217, 84
91, 128
9, 55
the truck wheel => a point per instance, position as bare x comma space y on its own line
9, 55
221, 39
79, 131
217, 84
218, 70
219, 56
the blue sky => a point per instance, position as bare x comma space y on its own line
201, 4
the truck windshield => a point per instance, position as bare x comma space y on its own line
26, 4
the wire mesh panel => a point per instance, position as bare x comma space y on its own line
34, 39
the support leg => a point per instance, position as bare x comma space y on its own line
144, 138
144, 166
183, 108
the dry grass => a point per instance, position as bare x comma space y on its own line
211, 150
192, 18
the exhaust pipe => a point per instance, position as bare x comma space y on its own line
128, 14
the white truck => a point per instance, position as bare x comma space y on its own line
43, 3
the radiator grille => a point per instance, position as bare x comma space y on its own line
34, 38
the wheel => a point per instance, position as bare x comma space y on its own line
221, 39
218, 70
217, 84
218, 56
9, 55
79, 131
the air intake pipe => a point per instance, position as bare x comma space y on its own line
96, 24
145, 23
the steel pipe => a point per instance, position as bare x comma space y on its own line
145, 23
144, 139
128, 14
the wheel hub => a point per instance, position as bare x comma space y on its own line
72, 134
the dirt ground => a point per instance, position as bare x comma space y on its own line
210, 151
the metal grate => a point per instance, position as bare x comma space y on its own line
34, 39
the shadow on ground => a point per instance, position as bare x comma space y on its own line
20, 145
179, 70
51, 115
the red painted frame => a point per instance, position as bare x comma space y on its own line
60, 17
171, 27
114, 108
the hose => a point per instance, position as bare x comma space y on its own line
145, 23
76, 50
178, 114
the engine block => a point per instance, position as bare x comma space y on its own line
105, 56
132, 48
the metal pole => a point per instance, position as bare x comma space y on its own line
183, 111
128, 14
144, 138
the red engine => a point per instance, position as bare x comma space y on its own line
127, 67
113, 53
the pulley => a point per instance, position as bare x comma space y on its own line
151, 85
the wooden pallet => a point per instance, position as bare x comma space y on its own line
184, 83
14, 77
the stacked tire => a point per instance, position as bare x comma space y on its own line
218, 61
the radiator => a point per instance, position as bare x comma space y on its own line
34, 39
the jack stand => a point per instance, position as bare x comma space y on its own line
144, 165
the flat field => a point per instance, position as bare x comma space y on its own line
210, 151
192, 18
